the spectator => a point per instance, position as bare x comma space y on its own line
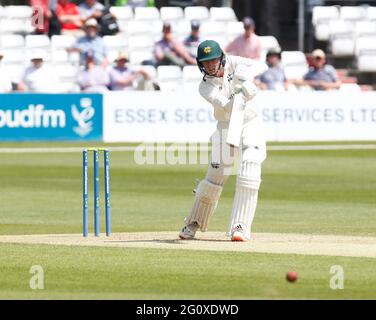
93, 78
122, 75
90, 9
321, 76
38, 77
169, 51
274, 78
193, 40
91, 42
247, 45
135, 3
5, 81
69, 18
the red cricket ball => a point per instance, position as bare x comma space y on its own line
291, 276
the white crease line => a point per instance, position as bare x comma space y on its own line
189, 147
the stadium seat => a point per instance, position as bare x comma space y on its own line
321, 17
365, 51
293, 57
341, 27
157, 26
12, 41
62, 41
139, 56
349, 87
15, 71
59, 57
13, 56
324, 14
112, 55
224, 14
171, 13
122, 13
294, 64
146, 13
191, 78
191, 73
234, 29
342, 46
66, 73
13, 26
371, 13
212, 27
365, 28
123, 25
366, 62
196, 13
137, 28
2, 12
342, 38
139, 83
353, 13
169, 77
68, 87
322, 31
365, 44
116, 42
182, 29
37, 41
31, 51
268, 43
151, 70
220, 38
18, 12
143, 42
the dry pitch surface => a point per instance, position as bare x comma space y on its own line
327, 245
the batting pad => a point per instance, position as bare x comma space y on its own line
207, 196
246, 194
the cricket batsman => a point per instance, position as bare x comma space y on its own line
228, 85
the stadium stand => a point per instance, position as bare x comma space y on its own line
348, 34
346, 31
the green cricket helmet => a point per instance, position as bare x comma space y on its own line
209, 50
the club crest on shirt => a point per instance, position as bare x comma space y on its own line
229, 77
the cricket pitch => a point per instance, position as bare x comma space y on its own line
280, 243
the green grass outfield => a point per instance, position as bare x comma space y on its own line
308, 192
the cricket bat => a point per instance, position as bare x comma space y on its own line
242, 73
235, 128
